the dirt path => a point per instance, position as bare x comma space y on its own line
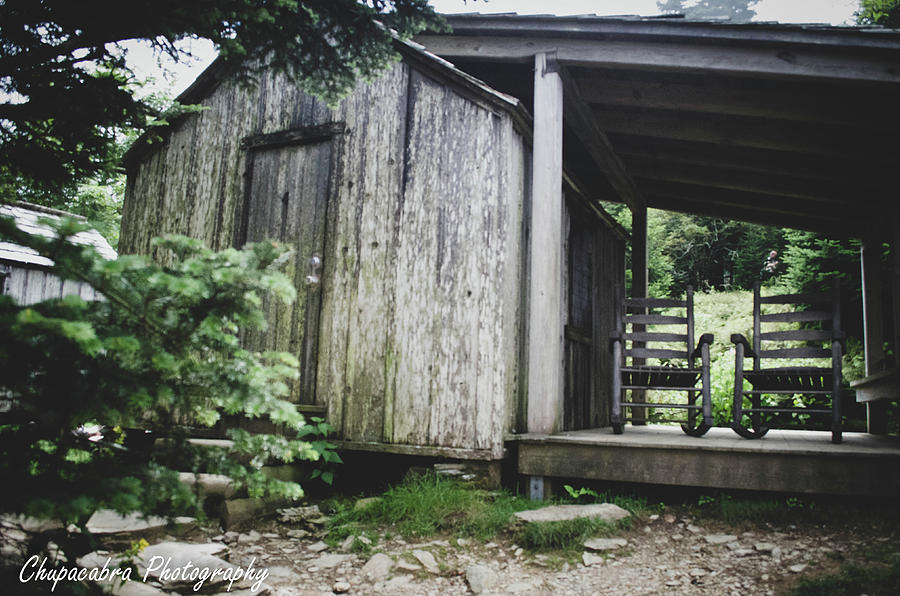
663, 555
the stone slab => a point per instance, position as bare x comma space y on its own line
605, 511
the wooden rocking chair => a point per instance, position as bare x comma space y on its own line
637, 375
819, 386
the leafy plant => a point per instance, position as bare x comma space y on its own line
319, 430
101, 396
581, 492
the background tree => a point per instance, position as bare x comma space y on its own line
67, 92
738, 11
879, 12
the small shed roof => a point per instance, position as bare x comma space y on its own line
27, 218
782, 124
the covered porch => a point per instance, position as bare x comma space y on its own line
782, 125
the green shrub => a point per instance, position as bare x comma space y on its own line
86, 381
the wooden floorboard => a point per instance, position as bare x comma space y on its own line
782, 461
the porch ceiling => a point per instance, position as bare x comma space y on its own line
787, 125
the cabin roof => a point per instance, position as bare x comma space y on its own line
27, 218
781, 124
436, 66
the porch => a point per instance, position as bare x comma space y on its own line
787, 461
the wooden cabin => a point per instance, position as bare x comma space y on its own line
410, 208
25, 275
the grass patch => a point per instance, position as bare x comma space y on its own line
755, 510
427, 505
853, 579
566, 535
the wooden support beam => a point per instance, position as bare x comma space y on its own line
757, 133
749, 213
761, 60
768, 207
845, 194
545, 319
743, 159
734, 96
583, 123
640, 287
873, 327
894, 217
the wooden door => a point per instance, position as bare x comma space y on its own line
287, 195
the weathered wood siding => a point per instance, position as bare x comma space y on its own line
423, 307
28, 285
595, 270
419, 326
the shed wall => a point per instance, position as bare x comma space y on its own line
419, 324
29, 285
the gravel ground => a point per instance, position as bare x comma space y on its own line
664, 554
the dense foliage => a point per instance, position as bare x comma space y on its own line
879, 12
84, 382
66, 90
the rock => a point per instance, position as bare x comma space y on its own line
230, 537
106, 521
480, 578
377, 567
720, 538
605, 511
298, 514
589, 558
236, 511
340, 587
406, 566
347, 544
297, 534
677, 537
160, 561
734, 545
605, 543
329, 561
669, 518
698, 572
134, 588
251, 536
764, 547
654, 517
798, 568
693, 529
396, 582
317, 547
427, 560
518, 587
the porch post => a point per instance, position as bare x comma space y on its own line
873, 327
545, 329
639, 289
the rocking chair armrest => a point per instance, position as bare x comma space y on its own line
707, 339
737, 338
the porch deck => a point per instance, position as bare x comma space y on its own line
783, 461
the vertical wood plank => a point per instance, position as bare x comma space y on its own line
545, 342
639, 289
873, 326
